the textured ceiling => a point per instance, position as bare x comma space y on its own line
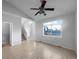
61, 7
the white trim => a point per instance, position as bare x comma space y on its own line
11, 35
11, 28
6, 22
4, 12
52, 35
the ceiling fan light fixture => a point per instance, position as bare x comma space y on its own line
42, 8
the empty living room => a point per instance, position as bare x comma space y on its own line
39, 29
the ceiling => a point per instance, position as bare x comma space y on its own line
61, 7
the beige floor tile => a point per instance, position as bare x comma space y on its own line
36, 50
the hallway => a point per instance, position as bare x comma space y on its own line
36, 50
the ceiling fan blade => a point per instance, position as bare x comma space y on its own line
34, 8
43, 4
49, 9
36, 13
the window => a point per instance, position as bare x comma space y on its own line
53, 28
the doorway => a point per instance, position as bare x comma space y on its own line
5, 34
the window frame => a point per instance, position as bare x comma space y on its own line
52, 35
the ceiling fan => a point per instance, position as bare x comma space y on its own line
42, 9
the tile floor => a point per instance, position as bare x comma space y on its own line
36, 50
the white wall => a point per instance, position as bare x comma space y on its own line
7, 7
13, 15
15, 31
69, 32
5, 33
28, 28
